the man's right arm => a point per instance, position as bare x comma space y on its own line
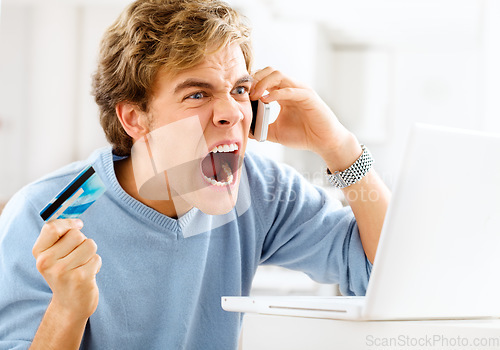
57, 331
68, 262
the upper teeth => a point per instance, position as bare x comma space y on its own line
225, 148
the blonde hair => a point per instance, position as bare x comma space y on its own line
152, 35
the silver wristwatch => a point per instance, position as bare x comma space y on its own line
348, 177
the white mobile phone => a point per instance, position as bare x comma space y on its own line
260, 120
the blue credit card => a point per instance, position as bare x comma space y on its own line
76, 197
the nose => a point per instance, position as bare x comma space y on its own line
227, 112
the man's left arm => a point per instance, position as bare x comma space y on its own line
306, 122
368, 198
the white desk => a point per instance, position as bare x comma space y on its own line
262, 332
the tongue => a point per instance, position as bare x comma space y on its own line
212, 167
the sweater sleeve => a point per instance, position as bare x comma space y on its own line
305, 229
24, 295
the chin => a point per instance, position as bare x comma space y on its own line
214, 200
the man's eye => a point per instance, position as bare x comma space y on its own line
196, 96
240, 90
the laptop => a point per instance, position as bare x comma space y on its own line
439, 252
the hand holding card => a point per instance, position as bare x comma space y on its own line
67, 259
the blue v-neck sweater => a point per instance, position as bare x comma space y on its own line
162, 279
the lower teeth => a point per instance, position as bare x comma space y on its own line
229, 177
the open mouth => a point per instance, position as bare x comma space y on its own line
220, 165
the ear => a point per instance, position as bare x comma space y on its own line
133, 119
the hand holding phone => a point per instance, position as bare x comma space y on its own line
260, 120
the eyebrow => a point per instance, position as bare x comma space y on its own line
244, 79
192, 83
189, 83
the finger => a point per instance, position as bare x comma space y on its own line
67, 243
63, 247
261, 73
92, 267
98, 264
95, 264
80, 255
286, 94
257, 77
52, 231
273, 81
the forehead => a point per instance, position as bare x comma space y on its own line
224, 66
226, 59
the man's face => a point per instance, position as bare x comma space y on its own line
199, 121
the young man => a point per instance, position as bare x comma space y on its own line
178, 72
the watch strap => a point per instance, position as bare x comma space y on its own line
358, 170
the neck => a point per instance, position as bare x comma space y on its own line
125, 176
